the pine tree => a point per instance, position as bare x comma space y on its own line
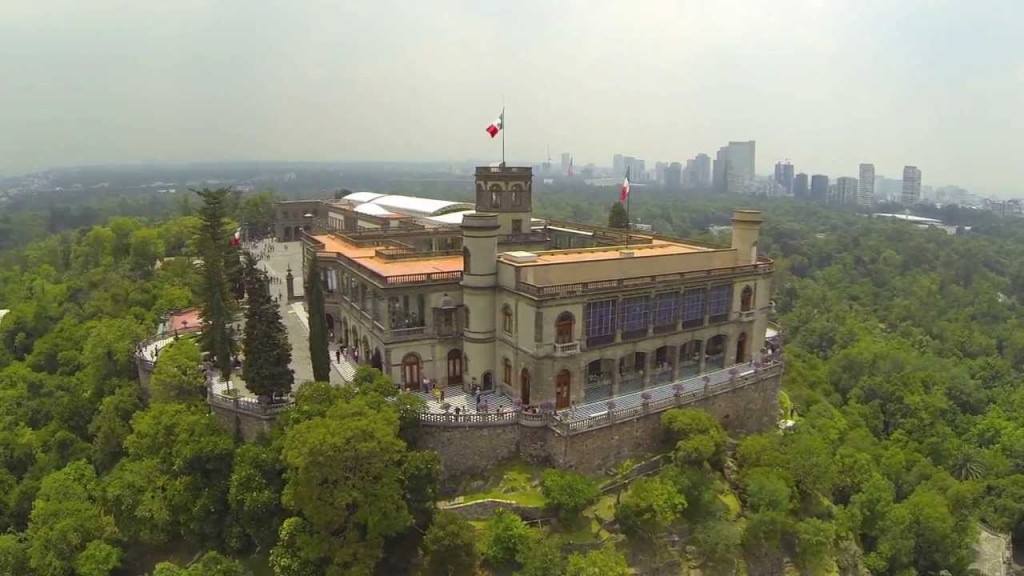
617, 217
217, 304
318, 353
267, 351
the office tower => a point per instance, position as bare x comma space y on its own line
819, 188
784, 176
846, 190
911, 185
697, 173
673, 176
800, 185
618, 165
566, 161
659, 172
866, 185
734, 167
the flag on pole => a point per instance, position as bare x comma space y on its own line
236, 238
497, 125
570, 166
624, 193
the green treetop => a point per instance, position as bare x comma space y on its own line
318, 353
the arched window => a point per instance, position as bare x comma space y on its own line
506, 319
746, 298
563, 388
495, 196
411, 371
506, 374
741, 348
455, 367
465, 260
517, 195
715, 353
524, 387
565, 328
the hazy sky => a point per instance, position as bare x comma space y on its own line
827, 84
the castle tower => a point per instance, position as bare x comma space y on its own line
479, 278
508, 192
746, 227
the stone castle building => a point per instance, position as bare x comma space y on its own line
548, 313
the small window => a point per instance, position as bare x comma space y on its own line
517, 226
746, 299
506, 319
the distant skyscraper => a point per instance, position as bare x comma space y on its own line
846, 190
911, 185
819, 188
673, 177
734, 167
618, 165
784, 176
697, 173
800, 185
659, 172
566, 161
866, 185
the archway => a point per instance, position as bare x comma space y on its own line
524, 387
365, 353
741, 348
488, 382
714, 354
344, 331
598, 382
455, 367
563, 389
689, 358
287, 233
411, 371
376, 361
330, 327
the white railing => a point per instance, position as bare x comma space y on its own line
562, 348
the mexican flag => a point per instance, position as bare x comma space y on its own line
624, 193
497, 125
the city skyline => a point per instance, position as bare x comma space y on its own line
110, 82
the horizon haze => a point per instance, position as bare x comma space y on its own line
827, 85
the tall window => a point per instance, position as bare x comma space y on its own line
718, 302
506, 319
665, 306
495, 197
507, 372
465, 260
636, 314
693, 307
600, 322
564, 328
746, 298
517, 196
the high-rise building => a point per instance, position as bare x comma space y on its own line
697, 173
618, 165
800, 188
911, 185
734, 167
673, 177
784, 176
659, 172
888, 189
566, 161
866, 185
637, 168
846, 190
819, 188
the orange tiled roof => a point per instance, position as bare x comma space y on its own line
367, 256
656, 248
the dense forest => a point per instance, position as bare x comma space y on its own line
904, 353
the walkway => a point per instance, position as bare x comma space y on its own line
455, 397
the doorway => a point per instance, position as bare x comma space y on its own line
563, 388
524, 387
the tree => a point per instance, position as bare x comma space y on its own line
718, 545
110, 426
66, 519
178, 375
697, 436
319, 355
254, 493
343, 475
449, 547
568, 492
265, 342
814, 545
767, 491
602, 562
541, 555
617, 217
217, 306
507, 536
210, 564
98, 559
421, 471
13, 555
649, 507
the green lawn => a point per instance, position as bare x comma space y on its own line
515, 481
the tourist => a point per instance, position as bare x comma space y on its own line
337, 355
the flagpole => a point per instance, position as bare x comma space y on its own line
502, 136
629, 197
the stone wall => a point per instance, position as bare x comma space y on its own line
484, 509
470, 450
244, 425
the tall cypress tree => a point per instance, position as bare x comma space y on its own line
217, 306
267, 351
318, 353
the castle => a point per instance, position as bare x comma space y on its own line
582, 324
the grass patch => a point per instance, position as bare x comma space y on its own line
732, 503
515, 481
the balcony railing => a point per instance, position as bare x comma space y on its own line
654, 280
566, 348
408, 333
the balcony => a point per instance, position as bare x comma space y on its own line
566, 348
746, 315
398, 334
